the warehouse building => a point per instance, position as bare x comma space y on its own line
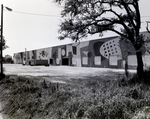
109, 52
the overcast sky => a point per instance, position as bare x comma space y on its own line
36, 31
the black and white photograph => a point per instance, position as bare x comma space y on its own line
74, 59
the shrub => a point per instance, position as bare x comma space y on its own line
90, 98
144, 79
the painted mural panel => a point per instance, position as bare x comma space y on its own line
84, 51
113, 60
59, 52
30, 54
43, 54
74, 61
126, 48
69, 50
54, 52
18, 58
78, 51
97, 60
95, 46
146, 60
132, 60
85, 60
111, 47
24, 57
74, 50
104, 52
57, 61
63, 51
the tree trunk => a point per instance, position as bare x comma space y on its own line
139, 64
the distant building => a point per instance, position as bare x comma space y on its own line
107, 53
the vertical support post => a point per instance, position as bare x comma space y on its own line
25, 56
1, 47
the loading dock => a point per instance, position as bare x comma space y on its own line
65, 61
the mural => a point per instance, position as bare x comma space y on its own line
17, 58
42, 53
63, 51
111, 47
106, 52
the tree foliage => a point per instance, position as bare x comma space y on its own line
4, 44
147, 42
83, 17
8, 59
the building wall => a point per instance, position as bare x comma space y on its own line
107, 53
17, 58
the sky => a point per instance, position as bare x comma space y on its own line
40, 29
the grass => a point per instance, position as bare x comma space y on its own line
102, 97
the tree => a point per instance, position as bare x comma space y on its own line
8, 59
83, 17
147, 42
4, 44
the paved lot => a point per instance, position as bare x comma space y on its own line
62, 74
19, 69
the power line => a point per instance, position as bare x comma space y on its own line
48, 15
35, 14
145, 16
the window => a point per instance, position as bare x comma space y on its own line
74, 50
97, 60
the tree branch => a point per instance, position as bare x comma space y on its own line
128, 10
138, 18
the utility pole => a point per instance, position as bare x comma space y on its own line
25, 56
1, 47
2, 75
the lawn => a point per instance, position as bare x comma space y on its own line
101, 97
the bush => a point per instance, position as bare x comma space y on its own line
90, 98
144, 79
